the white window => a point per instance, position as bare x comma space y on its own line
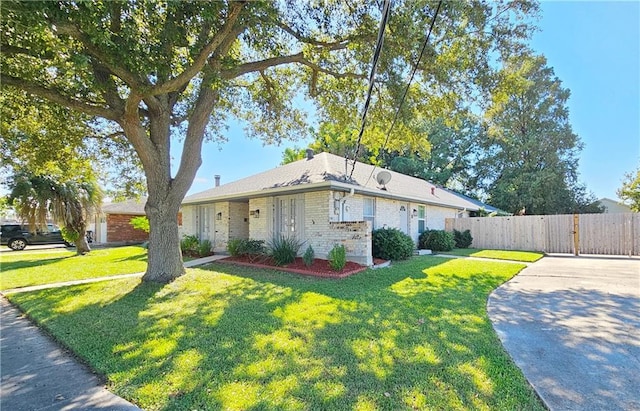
422, 219
369, 211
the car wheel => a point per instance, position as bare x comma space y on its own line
66, 244
17, 244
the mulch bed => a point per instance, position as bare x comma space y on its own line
319, 268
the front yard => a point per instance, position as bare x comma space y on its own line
27, 268
412, 336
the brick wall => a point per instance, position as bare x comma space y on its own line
260, 228
436, 216
239, 220
119, 229
323, 231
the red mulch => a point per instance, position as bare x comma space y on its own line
319, 268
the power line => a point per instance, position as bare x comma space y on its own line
406, 90
372, 73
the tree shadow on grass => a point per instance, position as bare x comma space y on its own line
233, 338
17, 265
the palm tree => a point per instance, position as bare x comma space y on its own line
69, 201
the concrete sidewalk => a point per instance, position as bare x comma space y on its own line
36, 374
572, 325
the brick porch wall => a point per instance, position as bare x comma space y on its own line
119, 229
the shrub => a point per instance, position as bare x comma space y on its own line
283, 250
436, 240
140, 223
69, 235
392, 244
462, 239
235, 246
204, 248
189, 244
308, 256
337, 257
242, 247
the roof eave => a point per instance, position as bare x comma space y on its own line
330, 185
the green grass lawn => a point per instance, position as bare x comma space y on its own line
526, 256
26, 268
412, 336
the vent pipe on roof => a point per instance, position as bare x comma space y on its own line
217, 178
433, 191
309, 154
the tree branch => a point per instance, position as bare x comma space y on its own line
201, 60
129, 78
59, 98
12, 50
278, 61
335, 45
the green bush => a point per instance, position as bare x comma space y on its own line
140, 223
436, 240
235, 246
337, 257
462, 239
189, 244
242, 247
283, 250
204, 248
69, 235
392, 244
308, 256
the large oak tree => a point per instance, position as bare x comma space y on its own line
530, 155
153, 70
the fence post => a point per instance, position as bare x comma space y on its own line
576, 234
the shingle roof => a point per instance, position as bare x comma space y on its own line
131, 206
328, 171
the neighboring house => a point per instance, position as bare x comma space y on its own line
112, 224
613, 206
315, 200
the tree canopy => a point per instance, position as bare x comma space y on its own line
152, 70
629, 191
530, 157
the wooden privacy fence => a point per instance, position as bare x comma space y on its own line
611, 234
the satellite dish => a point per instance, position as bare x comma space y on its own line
383, 177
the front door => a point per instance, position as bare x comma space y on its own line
289, 219
404, 218
204, 222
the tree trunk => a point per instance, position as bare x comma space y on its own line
164, 256
82, 247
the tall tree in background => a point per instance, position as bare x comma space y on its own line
451, 156
530, 158
70, 201
629, 192
151, 70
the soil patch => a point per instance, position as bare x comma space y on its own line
319, 268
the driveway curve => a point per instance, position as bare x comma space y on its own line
572, 325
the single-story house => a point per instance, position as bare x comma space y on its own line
613, 206
321, 202
113, 223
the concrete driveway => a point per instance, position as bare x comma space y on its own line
572, 324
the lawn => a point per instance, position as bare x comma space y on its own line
412, 336
26, 268
525, 256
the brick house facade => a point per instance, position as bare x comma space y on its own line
318, 203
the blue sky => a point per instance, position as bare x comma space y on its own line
594, 48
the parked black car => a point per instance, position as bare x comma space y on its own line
18, 236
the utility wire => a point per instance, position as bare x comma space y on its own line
372, 74
406, 90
